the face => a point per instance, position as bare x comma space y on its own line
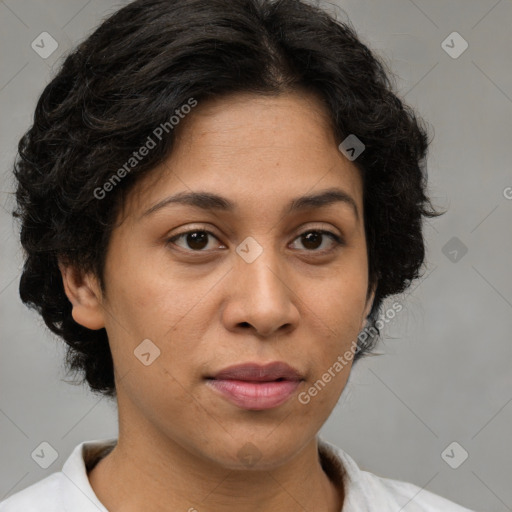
262, 273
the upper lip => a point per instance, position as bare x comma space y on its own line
259, 372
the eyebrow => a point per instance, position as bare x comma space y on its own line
210, 201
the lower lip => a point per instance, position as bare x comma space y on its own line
255, 395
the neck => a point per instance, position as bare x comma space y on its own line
143, 473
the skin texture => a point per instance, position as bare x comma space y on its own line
298, 302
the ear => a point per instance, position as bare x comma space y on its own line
369, 304
84, 293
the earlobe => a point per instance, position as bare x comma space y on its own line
84, 293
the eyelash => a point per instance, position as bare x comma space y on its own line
337, 239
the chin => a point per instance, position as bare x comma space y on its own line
255, 452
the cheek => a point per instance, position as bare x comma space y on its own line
339, 303
336, 312
161, 397
147, 300
149, 305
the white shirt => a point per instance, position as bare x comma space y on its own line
69, 490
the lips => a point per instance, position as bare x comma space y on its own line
256, 387
259, 373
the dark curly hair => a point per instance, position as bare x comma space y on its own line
134, 72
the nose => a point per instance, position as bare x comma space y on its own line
261, 297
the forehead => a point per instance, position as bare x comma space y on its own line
245, 120
256, 149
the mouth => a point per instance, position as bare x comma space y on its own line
256, 387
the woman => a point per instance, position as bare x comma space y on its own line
215, 198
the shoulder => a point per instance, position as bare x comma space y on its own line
43, 496
65, 490
410, 497
366, 491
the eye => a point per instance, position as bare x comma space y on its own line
195, 240
313, 240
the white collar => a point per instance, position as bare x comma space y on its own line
363, 491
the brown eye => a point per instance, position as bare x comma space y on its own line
313, 240
195, 240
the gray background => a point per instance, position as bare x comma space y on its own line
444, 374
